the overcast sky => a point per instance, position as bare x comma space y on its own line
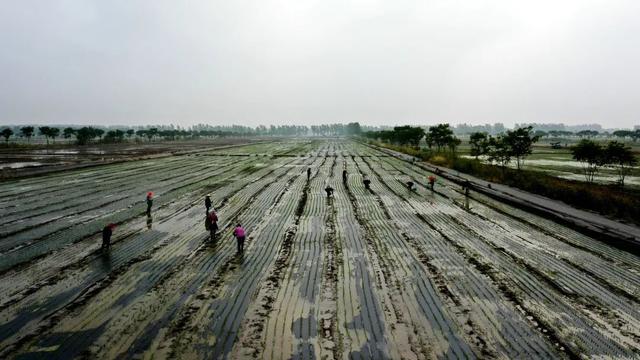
308, 62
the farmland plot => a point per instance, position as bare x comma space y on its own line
379, 273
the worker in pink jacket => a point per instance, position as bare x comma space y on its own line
240, 235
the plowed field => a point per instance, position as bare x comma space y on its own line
380, 273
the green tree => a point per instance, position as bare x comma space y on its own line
452, 143
151, 133
441, 136
84, 135
53, 133
27, 131
6, 133
479, 142
587, 133
408, 135
591, 155
130, 133
68, 132
499, 151
45, 131
520, 143
620, 157
97, 133
622, 133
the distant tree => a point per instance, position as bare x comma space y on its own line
97, 133
85, 134
6, 133
622, 133
587, 133
479, 142
130, 133
151, 133
53, 133
540, 133
353, 128
452, 143
620, 157
591, 155
520, 143
45, 131
408, 135
142, 133
441, 135
635, 135
499, 151
68, 132
27, 131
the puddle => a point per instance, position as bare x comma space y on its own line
23, 164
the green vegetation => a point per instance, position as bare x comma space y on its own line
27, 131
517, 144
593, 156
6, 133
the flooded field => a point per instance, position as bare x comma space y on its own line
561, 164
380, 273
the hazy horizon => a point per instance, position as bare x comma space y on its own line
315, 62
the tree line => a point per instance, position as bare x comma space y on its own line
87, 134
502, 148
595, 156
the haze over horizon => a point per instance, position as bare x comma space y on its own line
312, 62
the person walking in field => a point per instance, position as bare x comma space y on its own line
432, 181
211, 223
240, 235
344, 176
107, 231
367, 183
207, 203
411, 185
149, 202
329, 191
308, 173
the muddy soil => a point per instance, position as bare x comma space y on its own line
385, 272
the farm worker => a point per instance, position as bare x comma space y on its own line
432, 181
308, 173
329, 191
207, 202
149, 202
366, 183
106, 235
344, 175
411, 185
466, 186
239, 233
211, 224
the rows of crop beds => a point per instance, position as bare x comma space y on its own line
380, 273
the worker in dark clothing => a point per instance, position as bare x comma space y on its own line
411, 185
344, 176
211, 224
367, 183
240, 235
432, 181
308, 173
329, 191
106, 236
149, 202
207, 203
